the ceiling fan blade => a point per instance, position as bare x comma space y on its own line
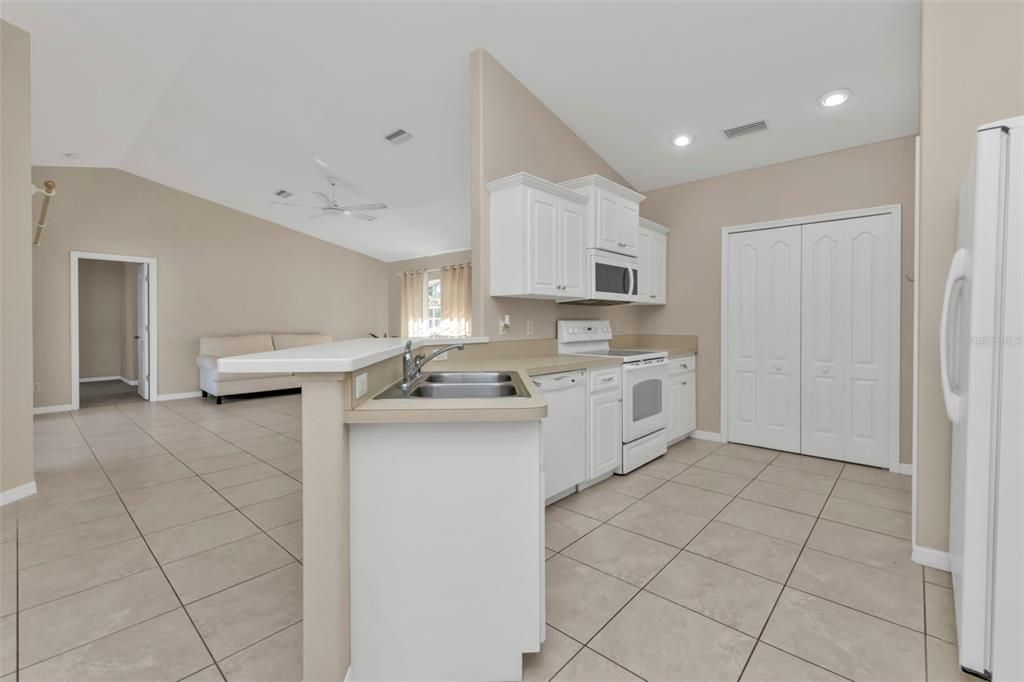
323, 197
285, 203
362, 216
364, 207
321, 214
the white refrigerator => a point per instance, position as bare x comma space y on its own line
982, 366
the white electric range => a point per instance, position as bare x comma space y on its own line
644, 388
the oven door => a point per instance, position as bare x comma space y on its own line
644, 398
613, 278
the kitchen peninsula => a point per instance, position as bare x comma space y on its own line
423, 506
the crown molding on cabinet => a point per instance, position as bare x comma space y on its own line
537, 183
605, 184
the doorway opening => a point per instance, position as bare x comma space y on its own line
113, 329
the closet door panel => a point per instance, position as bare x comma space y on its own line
848, 313
764, 338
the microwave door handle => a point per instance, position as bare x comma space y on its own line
627, 280
634, 275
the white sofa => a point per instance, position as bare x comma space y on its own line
217, 384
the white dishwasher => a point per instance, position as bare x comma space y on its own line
564, 432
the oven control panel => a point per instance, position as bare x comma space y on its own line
574, 331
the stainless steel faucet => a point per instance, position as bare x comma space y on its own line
411, 366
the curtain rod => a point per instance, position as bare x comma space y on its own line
442, 267
48, 191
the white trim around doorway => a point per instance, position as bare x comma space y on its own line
76, 256
894, 211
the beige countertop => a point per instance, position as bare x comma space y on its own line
490, 409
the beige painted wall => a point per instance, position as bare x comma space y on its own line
860, 177
219, 272
972, 73
424, 263
512, 131
101, 314
15, 260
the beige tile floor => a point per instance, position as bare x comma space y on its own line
165, 544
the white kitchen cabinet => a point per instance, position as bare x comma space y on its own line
604, 423
682, 398
538, 235
652, 257
613, 214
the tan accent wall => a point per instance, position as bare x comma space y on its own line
861, 177
219, 272
512, 131
424, 263
972, 73
101, 315
15, 260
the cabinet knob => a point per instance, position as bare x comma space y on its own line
778, 366
653, 296
824, 370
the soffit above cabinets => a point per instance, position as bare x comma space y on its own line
231, 101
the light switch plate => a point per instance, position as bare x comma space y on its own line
361, 385
529, 327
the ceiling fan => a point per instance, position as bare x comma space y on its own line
330, 206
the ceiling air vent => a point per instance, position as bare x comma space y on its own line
398, 136
282, 193
746, 129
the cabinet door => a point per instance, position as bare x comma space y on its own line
542, 213
572, 253
689, 403
659, 268
605, 441
629, 226
609, 215
645, 262
675, 408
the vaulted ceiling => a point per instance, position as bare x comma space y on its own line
232, 101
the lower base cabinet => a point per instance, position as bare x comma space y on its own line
682, 404
604, 437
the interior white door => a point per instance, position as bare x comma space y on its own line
142, 327
763, 344
850, 299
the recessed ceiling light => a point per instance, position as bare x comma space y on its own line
683, 140
72, 155
833, 98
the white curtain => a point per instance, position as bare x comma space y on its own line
456, 300
413, 323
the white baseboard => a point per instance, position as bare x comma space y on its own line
47, 409
130, 382
933, 558
87, 380
18, 493
179, 396
707, 435
906, 469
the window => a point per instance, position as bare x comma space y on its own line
432, 303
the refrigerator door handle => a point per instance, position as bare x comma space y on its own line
957, 272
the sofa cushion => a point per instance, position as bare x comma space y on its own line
283, 341
224, 346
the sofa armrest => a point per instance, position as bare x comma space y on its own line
207, 361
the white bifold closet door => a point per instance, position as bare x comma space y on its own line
850, 310
764, 338
812, 325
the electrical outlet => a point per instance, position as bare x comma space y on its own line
529, 327
361, 385
504, 325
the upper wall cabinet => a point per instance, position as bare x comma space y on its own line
652, 257
613, 214
538, 233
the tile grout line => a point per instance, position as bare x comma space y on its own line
159, 566
235, 507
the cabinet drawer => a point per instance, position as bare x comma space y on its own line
605, 379
685, 363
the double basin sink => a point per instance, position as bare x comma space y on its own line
461, 385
